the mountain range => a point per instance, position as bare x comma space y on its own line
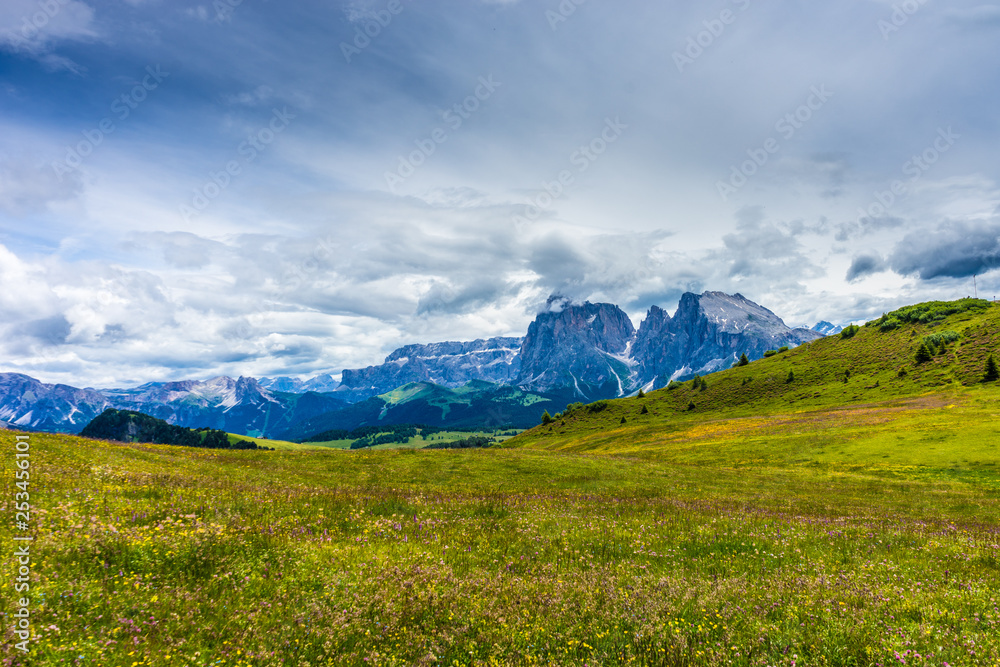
571, 352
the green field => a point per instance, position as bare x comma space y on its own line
811, 522
418, 442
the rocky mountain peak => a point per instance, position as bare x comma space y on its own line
247, 390
707, 333
583, 346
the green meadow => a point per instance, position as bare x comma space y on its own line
417, 442
848, 516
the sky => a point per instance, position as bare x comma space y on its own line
261, 188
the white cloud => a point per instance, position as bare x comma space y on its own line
35, 27
29, 184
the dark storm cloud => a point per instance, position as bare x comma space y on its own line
865, 265
953, 250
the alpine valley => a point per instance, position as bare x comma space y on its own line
571, 352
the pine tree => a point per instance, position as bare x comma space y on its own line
923, 354
644, 411
992, 372
546, 418
790, 378
690, 405
641, 394
743, 360
623, 419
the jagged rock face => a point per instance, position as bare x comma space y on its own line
447, 364
708, 333
654, 349
585, 347
29, 404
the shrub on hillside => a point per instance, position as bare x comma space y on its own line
386, 435
770, 353
475, 442
927, 313
850, 331
597, 406
644, 411
546, 418
923, 354
744, 361
992, 373
938, 342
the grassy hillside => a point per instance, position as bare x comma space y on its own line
860, 400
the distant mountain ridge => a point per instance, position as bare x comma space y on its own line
233, 405
33, 405
449, 364
571, 351
828, 328
593, 350
320, 383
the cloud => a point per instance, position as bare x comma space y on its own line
28, 185
762, 251
865, 265
981, 16
260, 95
866, 225
360, 10
33, 28
952, 250
183, 250
47, 331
